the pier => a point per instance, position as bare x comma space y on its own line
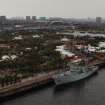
35, 81
26, 84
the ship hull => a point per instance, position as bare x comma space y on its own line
70, 79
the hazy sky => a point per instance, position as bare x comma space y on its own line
58, 8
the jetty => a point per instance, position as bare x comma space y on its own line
26, 84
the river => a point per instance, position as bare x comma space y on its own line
87, 92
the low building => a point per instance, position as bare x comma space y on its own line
7, 57
18, 37
64, 40
101, 44
64, 53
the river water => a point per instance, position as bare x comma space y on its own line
87, 92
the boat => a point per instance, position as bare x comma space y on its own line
74, 74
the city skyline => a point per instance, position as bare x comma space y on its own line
53, 8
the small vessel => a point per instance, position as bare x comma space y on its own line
76, 73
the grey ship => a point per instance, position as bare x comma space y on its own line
76, 73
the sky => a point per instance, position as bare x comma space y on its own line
53, 8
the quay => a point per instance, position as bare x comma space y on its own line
26, 84
35, 81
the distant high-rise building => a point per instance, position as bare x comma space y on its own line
98, 20
43, 18
2, 19
33, 17
28, 18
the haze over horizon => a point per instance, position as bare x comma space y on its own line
53, 8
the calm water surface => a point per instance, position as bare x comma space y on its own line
87, 92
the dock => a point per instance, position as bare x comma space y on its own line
26, 84
35, 81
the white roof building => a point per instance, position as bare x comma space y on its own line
64, 39
18, 37
5, 57
102, 44
35, 36
64, 52
28, 49
13, 57
91, 49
